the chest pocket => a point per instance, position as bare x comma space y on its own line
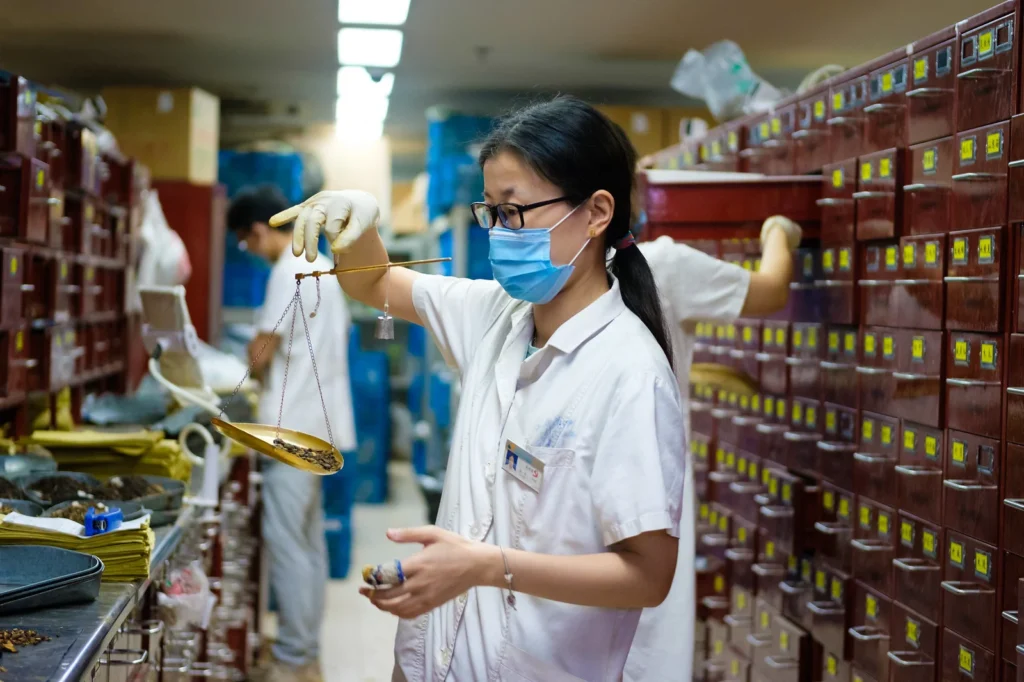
560, 511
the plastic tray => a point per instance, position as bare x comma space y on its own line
26, 482
130, 510
22, 507
27, 569
25, 463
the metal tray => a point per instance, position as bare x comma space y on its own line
165, 517
26, 481
130, 510
76, 591
22, 507
25, 569
171, 498
25, 463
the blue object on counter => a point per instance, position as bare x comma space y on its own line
97, 523
338, 537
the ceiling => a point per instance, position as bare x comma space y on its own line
274, 63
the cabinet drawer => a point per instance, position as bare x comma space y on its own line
914, 649
846, 121
25, 199
839, 369
837, 203
918, 390
987, 81
928, 194
921, 291
971, 576
1013, 504
874, 545
836, 526
875, 460
1016, 169
877, 287
1015, 391
917, 568
885, 115
919, 472
972, 485
931, 110
879, 196
12, 279
974, 371
871, 631
811, 137
965, 661
980, 177
14, 349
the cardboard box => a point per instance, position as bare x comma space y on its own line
175, 132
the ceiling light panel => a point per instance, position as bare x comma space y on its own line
375, 47
374, 12
356, 80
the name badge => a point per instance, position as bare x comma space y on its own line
523, 466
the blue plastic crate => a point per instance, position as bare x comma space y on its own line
339, 490
479, 264
242, 169
372, 487
419, 458
453, 134
338, 536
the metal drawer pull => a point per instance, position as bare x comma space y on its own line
734, 622
832, 528
917, 470
871, 458
143, 656
977, 176
979, 278
1011, 616
801, 134
829, 201
830, 283
738, 354
865, 633
835, 366
895, 657
982, 72
829, 609
784, 664
739, 554
53, 201
862, 546
770, 429
875, 108
966, 486
916, 282
768, 571
1016, 164
757, 642
722, 413
964, 589
777, 512
873, 195
903, 376
752, 151
1013, 390
873, 371
836, 447
907, 566
774, 144
716, 540
930, 92
744, 488
923, 186
715, 603
801, 286
28, 364
745, 421
843, 121
764, 357
762, 499
972, 382
1014, 504
798, 437
796, 362
874, 282
28, 288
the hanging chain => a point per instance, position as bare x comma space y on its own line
317, 307
316, 375
288, 357
387, 290
248, 372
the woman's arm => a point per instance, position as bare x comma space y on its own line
769, 286
373, 287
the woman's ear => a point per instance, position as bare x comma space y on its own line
602, 208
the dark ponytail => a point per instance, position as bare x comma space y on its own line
574, 146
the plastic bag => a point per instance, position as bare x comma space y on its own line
721, 76
164, 260
185, 599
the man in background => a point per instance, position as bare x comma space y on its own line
293, 530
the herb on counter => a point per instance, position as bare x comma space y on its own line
10, 491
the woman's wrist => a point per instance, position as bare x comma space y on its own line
488, 565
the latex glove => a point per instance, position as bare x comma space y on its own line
342, 216
793, 232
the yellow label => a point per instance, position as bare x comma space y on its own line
773, 487
967, 149
764, 130
886, 434
752, 474
812, 338
960, 250
865, 516
844, 508
960, 350
819, 109
909, 440
837, 178
798, 338
907, 533
909, 255
931, 253
748, 335
868, 430
673, 163
719, 647
917, 348
741, 466
40, 179
828, 259
811, 417
871, 606
766, 476
766, 620
920, 68
730, 460
688, 158
956, 553
787, 492
890, 256
704, 512
850, 343
828, 500
780, 409
988, 353
735, 666
19, 341
883, 524
869, 344
888, 346
985, 43
767, 337
769, 406
780, 337
928, 542
716, 148
832, 665
798, 413
913, 632
885, 167
865, 171
959, 452
63, 270
837, 100
928, 159
857, 678
14, 266
719, 584
784, 641
820, 581
703, 153
89, 274
723, 523
844, 259
830, 421
720, 456
887, 82
730, 332
837, 588
994, 144
985, 250
966, 659
741, 534
776, 126
734, 141
981, 564
755, 403
833, 342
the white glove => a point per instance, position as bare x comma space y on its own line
793, 232
342, 216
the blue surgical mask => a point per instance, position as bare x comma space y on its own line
521, 261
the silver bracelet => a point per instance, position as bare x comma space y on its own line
511, 598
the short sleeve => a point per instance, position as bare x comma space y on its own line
458, 312
697, 286
637, 476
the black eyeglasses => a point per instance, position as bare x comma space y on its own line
509, 215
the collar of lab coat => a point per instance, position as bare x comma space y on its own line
583, 324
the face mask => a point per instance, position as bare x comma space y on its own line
521, 260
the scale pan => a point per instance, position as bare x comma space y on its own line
261, 437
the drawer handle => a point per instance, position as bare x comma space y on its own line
28, 288
914, 565
802, 286
741, 420
716, 540
142, 654
698, 406
876, 108
1014, 504
1013, 390
147, 628
911, 470
722, 413
1016, 164
871, 458
793, 590
963, 589
833, 283
757, 642
744, 488
977, 177
874, 282
28, 364
832, 201
774, 144
825, 608
977, 278
829, 446
799, 437
796, 362
843, 121
916, 282
739, 554
809, 132
736, 622
718, 350
753, 151
762, 499
924, 186
870, 546
895, 657
738, 354
769, 571
784, 664
835, 366
777, 512
763, 357
832, 528
866, 633
972, 382
1011, 616
965, 486
770, 429
903, 376
72, 288
930, 92
872, 371
982, 72
54, 201
873, 195
715, 603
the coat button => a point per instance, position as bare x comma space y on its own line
463, 598
474, 532
446, 656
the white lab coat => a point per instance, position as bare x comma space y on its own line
599, 406
693, 286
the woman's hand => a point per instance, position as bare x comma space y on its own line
342, 216
446, 567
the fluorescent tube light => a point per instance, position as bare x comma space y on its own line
379, 12
379, 47
354, 81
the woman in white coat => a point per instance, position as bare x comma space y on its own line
560, 512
